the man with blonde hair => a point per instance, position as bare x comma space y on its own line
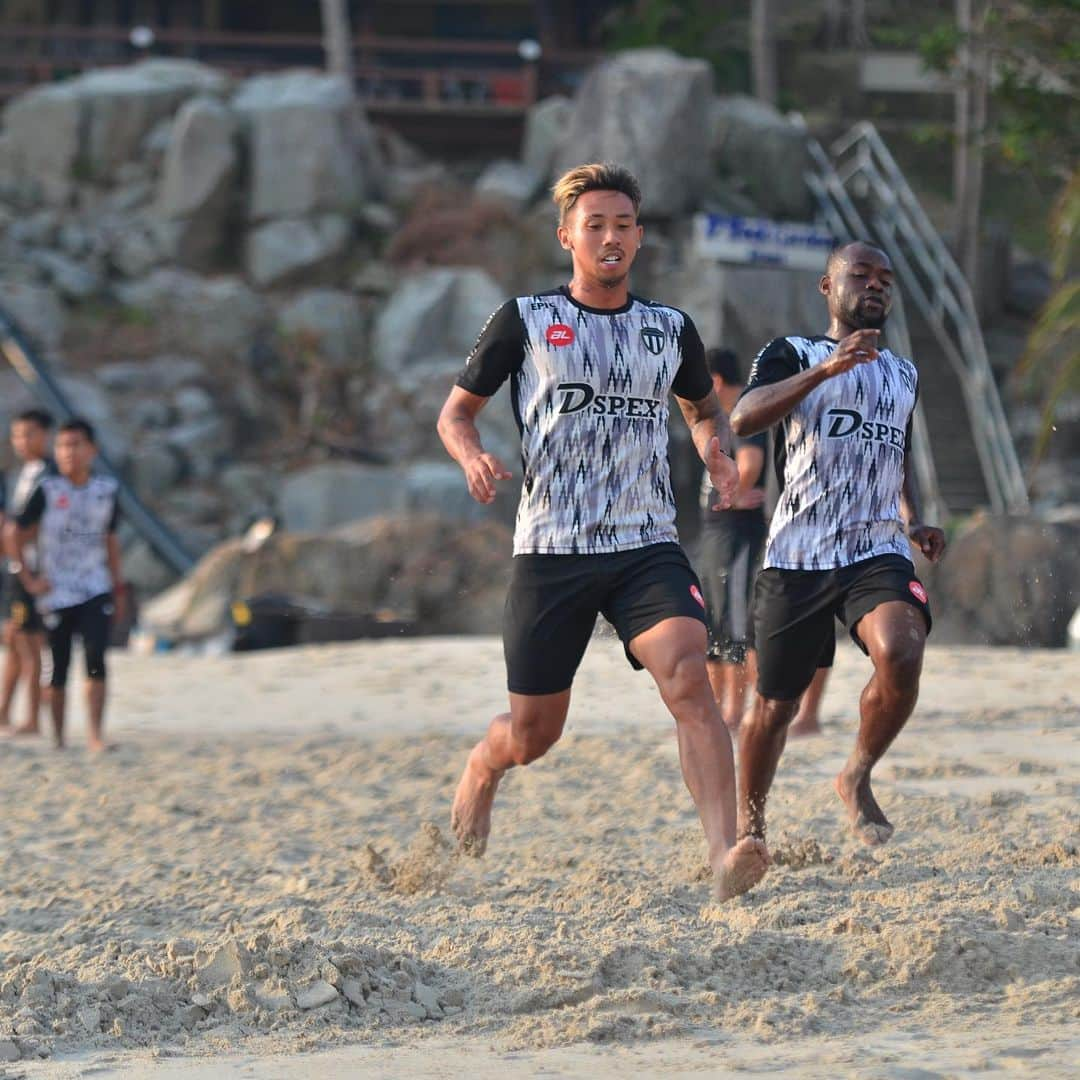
591, 367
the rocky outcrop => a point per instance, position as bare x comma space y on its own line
291, 250
328, 322
646, 109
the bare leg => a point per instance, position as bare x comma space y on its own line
736, 700
761, 743
10, 678
807, 720
518, 737
57, 705
895, 636
717, 673
29, 647
95, 714
751, 685
673, 651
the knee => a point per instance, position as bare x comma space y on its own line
771, 716
532, 741
899, 665
686, 686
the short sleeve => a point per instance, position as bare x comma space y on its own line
692, 381
498, 353
114, 519
32, 512
776, 362
3, 494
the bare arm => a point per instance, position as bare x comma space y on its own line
457, 429
750, 461
15, 540
929, 538
712, 436
760, 408
119, 587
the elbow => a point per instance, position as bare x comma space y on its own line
739, 423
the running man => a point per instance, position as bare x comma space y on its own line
25, 632
591, 367
79, 587
837, 543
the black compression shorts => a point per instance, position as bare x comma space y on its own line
729, 557
91, 621
554, 600
794, 612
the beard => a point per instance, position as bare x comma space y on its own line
868, 317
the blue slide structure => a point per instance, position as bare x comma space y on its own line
34, 372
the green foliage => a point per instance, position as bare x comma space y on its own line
693, 28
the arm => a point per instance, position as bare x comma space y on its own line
119, 586
929, 538
457, 429
750, 460
710, 432
21, 531
766, 403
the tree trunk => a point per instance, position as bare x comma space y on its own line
337, 38
858, 36
763, 51
972, 91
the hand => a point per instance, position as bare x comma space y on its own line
723, 474
749, 500
121, 605
481, 472
930, 540
36, 586
857, 348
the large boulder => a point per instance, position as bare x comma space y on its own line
196, 181
546, 124
90, 126
36, 310
328, 321
434, 316
312, 148
293, 250
646, 109
325, 496
752, 140
1007, 581
444, 576
208, 316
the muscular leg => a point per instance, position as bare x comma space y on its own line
894, 633
673, 651
95, 714
531, 727
11, 673
807, 720
761, 742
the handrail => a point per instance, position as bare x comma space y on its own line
862, 160
36, 376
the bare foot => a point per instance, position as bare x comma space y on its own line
743, 867
801, 728
868, 820
99, 746
470, 817
23, 731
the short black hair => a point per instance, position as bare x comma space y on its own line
837, 251
725, 363
77, 423
40, 417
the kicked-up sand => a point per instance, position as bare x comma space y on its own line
259, 882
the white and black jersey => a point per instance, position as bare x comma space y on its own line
28, 479
839, 457
74, 523
590, 394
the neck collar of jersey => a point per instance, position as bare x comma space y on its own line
565, 290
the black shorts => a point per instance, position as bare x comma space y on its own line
794, 612
553, 602
25, 616
729, 558
91, 621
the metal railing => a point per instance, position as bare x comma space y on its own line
38, 379
861, 167
843, 219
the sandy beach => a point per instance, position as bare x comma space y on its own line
258, 882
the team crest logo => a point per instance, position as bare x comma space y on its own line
917, 591
695, 592
559, 334
652, 338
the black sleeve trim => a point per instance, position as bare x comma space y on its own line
779, 360
498, 353
692, 381
32, 512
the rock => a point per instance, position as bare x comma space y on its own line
44, 131
72, 280
1006, 581
509, 182
353, 991
155, 467
646, 109
752, 140
434, 316
319, 993
546, 124
9, 1051
324, 496
427, 997
137, 246
453, 997
190, 1015
40, 229
273, 996
312, 149
210, 316
328, 321
143, 570
36, 310
296, 249
196, 181
194, 403
203, 443
437, 487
